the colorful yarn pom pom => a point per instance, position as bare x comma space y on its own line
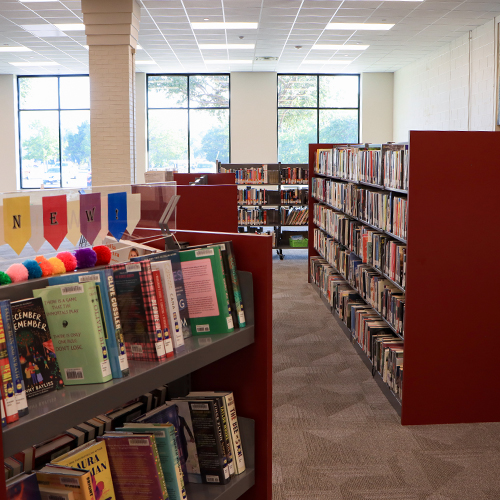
4, 278
103, 255
68, 259
34, 269
57, 265
17, 273
45, 266
85, 257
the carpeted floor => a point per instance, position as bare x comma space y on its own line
336, 437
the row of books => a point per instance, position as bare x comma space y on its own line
294, 175
270, 216
384, 349
138, 451
386, 165
372, 286
257, 196
254, 175
85, 327
294, 216
294, 196
382, 209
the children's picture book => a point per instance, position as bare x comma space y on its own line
36, 350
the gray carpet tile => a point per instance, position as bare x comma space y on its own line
335, 435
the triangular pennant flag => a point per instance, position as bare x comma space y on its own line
133, 211
117, 214
17, 222
74, 222
90, 216
55, 219
37, 239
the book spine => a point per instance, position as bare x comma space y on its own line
234, 433
173, 307
236, 285
229, 317
159, 469
9, 406
167, 341
122, 352
2, 409
227, 464
179, 487
15, 364
225, 432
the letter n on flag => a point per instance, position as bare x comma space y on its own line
117, 214
55, 219
90, 216
17, 222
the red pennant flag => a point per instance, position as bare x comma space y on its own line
55, 219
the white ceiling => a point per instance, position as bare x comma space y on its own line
168, 39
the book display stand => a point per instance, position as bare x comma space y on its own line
449, 353
278, 185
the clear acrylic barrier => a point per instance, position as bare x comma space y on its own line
145, 206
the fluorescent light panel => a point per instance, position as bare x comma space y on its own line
15, 49
339, 47
359, 26
71, 27
31, 63
224, 26
215, 46
228, 61
313, 61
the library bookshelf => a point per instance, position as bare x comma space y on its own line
450, 339
240, 361
285, 189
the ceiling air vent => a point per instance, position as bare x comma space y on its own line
266, 58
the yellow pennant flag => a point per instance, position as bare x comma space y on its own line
74, 222
17, 222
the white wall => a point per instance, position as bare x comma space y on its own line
141, 144
9, 143
377, 96
254, 118
453, 88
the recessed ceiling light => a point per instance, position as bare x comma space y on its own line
215, 46
228, 61
31, 63
206, 19
224, 26
313, 61
71, 27
15, 49
339, 47
358, 26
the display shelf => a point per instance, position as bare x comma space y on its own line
369, 184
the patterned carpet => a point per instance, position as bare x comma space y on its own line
337, 437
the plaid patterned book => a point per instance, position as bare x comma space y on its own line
137, 305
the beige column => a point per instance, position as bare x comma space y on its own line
112, 29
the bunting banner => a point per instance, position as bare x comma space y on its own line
37, 240
17, 222
55, 219
90, 216
117, 214
73, 222
133, 211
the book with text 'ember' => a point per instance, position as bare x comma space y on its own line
138, 307
36, 350
9, 406
74, 318
92, 456
23, 487
56, 481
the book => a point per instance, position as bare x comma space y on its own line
36, 350
23, 487
74, 318
124, 250
103, 279
126, 413
92, 456
162, 312
169, 455
15, 465
57, 480
134, 468
9, 405
78, 435
206, 291
88, 431
138, 309
51, 449
15, 362
235, 282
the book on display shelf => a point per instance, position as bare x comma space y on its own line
56, 481
23, 487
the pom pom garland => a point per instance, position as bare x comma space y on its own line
103, 255
68, 259
4, 279
57, 265
17, 273
85, 257
45, 266
34, 269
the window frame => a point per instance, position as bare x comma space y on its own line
59, 109
188, 108
317, 108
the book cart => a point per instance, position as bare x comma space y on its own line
276, 198
451, 341
239, 361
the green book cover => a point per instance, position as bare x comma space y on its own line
168, 452
75, 322
206, 293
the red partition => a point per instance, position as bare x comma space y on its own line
213, 179
248, 372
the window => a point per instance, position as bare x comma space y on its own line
54, 131
315, 109
188, 122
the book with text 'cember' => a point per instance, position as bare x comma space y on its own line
74, 318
